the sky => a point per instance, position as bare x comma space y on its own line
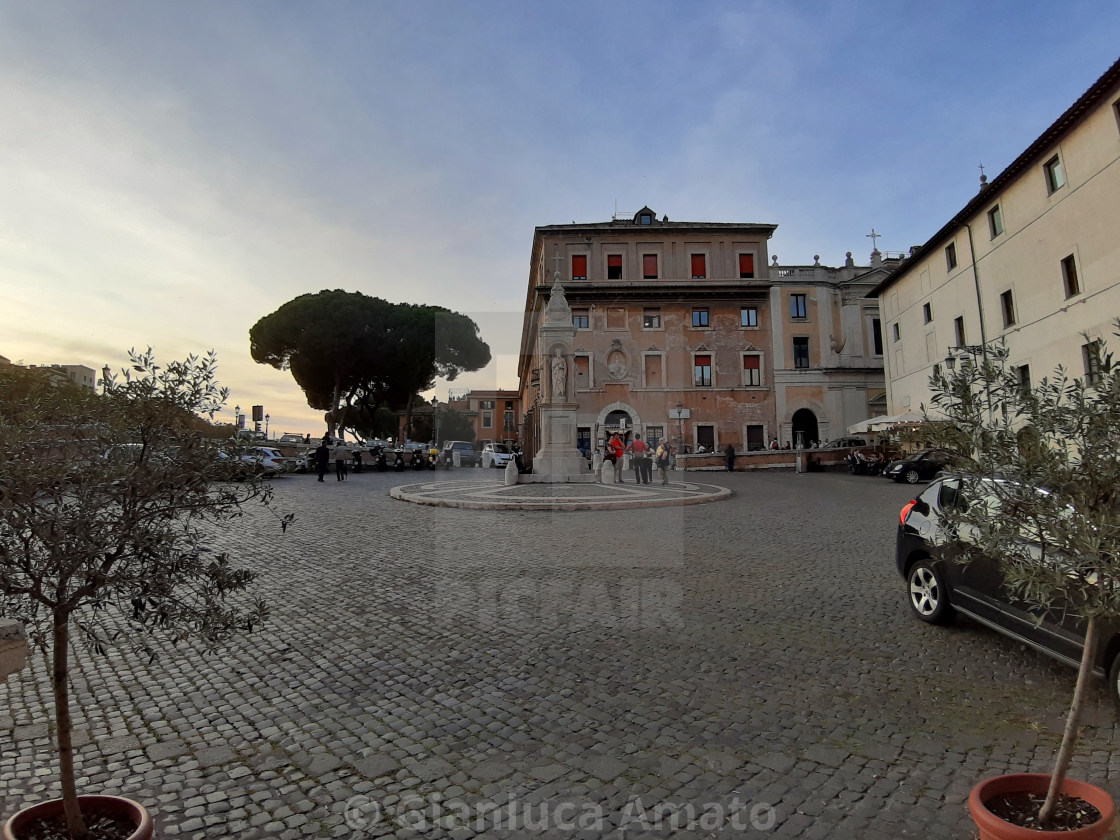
172, 172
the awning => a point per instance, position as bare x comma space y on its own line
864, 426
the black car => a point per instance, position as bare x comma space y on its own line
939, 588
921, 466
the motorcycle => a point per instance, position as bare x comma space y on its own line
398, 462
382, 465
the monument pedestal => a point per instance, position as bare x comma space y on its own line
558, 461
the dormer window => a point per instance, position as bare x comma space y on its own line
645, 219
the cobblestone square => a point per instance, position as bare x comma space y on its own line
739, 668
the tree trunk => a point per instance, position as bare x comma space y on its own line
60, 644
1069, 737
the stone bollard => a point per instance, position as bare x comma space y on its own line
606, 474
597, 464
13, 647
511, 472
456, 458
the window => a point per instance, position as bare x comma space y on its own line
1069, 276
580, 319
706, 436
1055, 178
1091, 353
702, 370
654, 435
958, 328
645, 219
752, 370
583, 372
508, 421
746, 266
748, 316
756, 438
486, 404
649, 266
877, 336
583, 438
1023, 372
651, 370
614, 266
616, 318
895, 332
927, 312
801, 353
699, 267
700, 317
509, 405
1007, 304
951, 256
651, 318
995, 221
579, 266
797, 306
487, 419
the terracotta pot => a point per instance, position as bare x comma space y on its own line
993, 828
115, 805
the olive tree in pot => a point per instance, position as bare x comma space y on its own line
1041, 495
109, 508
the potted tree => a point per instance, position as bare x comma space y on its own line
109, 504
1042, 468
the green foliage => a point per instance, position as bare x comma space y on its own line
1038, 492
348, 349
453, 425
111, 511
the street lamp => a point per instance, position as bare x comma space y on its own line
237, 418
680, 424
266, 427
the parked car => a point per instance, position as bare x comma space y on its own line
938, 588
921, 466
467, 456
291, 437
496, 455
845, 443
275, 458
253, 463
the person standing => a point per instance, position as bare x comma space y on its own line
664, 455
639, 451
730, 453
341, 455
615, 451
322, 458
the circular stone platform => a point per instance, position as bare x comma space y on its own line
494, 495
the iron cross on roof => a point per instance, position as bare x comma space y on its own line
873, 236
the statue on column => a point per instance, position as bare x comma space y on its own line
559, 377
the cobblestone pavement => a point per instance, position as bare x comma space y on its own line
751, 663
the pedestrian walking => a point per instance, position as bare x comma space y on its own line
730, 453
341, 454
322, 458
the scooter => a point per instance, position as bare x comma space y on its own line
398, 462
381, 464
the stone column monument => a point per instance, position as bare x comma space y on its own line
559, 459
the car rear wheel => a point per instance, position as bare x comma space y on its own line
1114, 681
928, 597
911, 475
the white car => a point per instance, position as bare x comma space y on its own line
496, 455
273, 458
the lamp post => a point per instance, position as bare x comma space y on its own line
266, 417
435, 419
680, 424
236, 419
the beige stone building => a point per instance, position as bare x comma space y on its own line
1033, 260
689, 331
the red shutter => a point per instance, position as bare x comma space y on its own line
649, 266
614, 261
698, 267
751, 362
703, 361
579, 267
746, 265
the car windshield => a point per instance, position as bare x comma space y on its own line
501, 447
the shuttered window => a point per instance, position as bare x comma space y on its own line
579, 267
614, 266
746, 265
699, 267
649, 266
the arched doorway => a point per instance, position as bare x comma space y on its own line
619, 421
804, 427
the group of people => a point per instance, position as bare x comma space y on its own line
341, 455
642, 458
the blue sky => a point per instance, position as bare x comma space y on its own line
171, 172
